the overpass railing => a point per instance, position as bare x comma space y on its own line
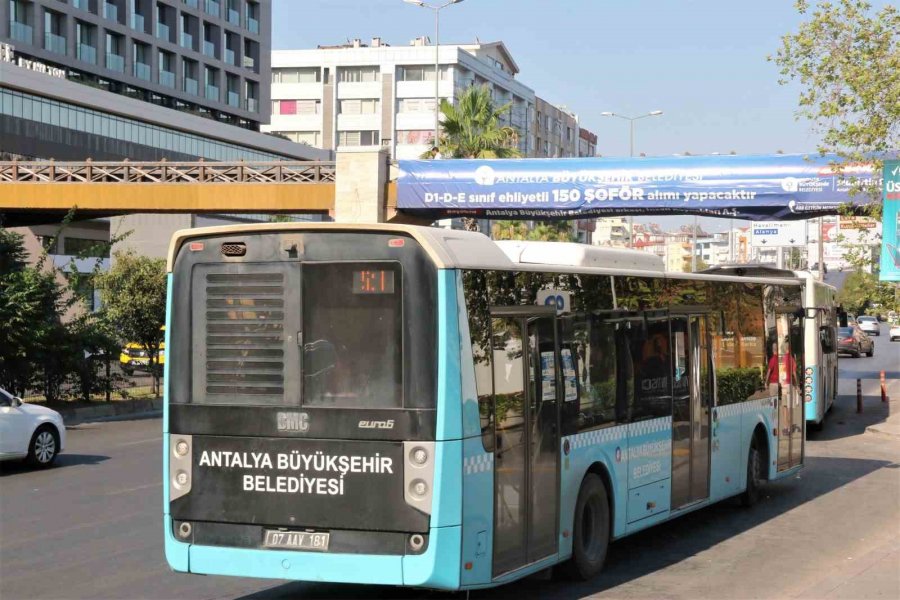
166, 172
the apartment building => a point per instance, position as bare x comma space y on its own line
375, 94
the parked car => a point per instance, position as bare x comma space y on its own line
29, 431
869, 324
134, 357
895, 332
854, 341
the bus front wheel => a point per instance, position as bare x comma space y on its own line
590, 538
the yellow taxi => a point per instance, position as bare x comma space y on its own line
133, 356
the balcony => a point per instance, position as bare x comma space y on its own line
212, 92
234, 99
87, 53
137, 21
163, 31
230, 57
187, 40
21, 32
252, 25
249, 62
191, 86
167, 78
142, 71
209, 48
54, 43
213, 7
111, 11
114, 62
252, 104
234, 17
192, 3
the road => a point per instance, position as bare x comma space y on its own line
91, 527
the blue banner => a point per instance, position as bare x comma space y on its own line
890, 224
778, 186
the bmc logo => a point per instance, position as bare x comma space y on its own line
292, 421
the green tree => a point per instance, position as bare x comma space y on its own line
857, 293
847, 60
134, 298
552, 231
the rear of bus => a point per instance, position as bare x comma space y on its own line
300, 420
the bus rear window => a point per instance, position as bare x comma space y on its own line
352, 335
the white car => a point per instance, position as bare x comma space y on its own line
895, 332
29, 431
869, 324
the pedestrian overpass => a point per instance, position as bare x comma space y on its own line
45, 191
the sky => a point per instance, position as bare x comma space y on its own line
702, 62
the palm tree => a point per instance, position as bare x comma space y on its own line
472, 129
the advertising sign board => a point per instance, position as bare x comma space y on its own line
780, 186
890, 227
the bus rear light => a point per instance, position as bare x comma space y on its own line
396, 242
416, 542
184, 530
195, 246
418, 474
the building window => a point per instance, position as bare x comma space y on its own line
211, 81
251, 55
421, 73
20, 28
233, 12
189, 74
233, 92
167, 68
251, 93
415, 136
357, 74
251, 16
213, 7
367, 106
86, 36
115, 52
416, 105
210, 35
357, 138
189, 27
232, 48
141, 61
310, 138
302, 75
54, 32
296, 107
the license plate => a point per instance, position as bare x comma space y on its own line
296, 540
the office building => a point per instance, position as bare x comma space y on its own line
555, 131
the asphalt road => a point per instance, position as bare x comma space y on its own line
91, 527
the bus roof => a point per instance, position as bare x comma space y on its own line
457, 249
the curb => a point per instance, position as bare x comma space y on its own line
874, 429
113, 411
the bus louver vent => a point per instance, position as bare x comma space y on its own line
234, 249
245, 333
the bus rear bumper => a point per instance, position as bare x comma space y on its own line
437, 567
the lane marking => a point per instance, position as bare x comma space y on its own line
135, 443
134, 489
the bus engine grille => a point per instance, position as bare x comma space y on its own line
245, 333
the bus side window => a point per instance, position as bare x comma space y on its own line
588, 359
485, 389
652, 365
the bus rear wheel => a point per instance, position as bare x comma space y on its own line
590, 538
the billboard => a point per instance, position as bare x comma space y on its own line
890, 227
763, 187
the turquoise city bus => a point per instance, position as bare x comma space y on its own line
820, 373
413, 406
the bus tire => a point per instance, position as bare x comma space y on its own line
754, 475
590, 532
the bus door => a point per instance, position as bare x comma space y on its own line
692, 399
790, 377
526, 468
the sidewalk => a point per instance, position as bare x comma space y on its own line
871, 389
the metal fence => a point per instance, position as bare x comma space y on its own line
166, 172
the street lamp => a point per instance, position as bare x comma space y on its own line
437, 68
631, 120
